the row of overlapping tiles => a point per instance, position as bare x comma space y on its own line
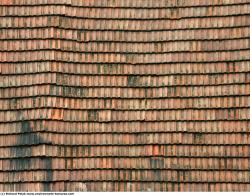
127, 175
92, 57
123, 47
123, 81
129, 25
211, 127
161, 69
124, 104
35, 138
123, 186
127, 13
126, 92
86, 35
125, 3
128, 163
200, 155
108, 115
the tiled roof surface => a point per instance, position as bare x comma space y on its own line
124, 95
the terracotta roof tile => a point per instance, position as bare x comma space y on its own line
146, 95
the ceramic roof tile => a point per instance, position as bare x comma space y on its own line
124, 95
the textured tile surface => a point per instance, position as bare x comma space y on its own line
124, 95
